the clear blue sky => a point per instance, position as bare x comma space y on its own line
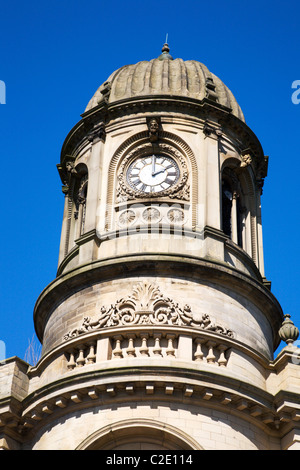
54, 55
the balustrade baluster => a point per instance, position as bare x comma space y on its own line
131, 349
144, 350
222, 361
71, 363
199, 353
210, 356
117, 351
81, 360
170, 351
91, 357
157, 348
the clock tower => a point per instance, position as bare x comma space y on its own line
160, 328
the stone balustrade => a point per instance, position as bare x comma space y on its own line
81, 355
152, 343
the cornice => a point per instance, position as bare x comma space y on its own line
74, 393
137, 381
204, 109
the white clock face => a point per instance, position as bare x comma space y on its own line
153, 174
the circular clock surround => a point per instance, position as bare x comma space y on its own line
153, 174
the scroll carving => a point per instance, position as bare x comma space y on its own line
147, 306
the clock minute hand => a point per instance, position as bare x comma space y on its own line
153, 165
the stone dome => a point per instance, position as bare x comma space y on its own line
166, 76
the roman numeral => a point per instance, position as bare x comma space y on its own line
135, 180
168, 181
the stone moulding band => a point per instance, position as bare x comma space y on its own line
236, 400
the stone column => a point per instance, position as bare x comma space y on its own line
213, 205
63, 241
87, 242
234, 228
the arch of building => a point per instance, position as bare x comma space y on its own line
139, 143
139, 434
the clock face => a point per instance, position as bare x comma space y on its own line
153, 174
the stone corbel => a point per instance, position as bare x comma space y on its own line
154, 125
71, 170
98, 133
65, 189
261, 173
211, 131
65, 171
68, 174
246, 160
262, 168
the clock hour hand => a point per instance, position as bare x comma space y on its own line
158, 172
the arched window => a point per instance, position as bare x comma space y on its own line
81, 205
226, 207
231, 207
74, 217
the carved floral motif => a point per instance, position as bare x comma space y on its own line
175, 216
146, 306
127, 217
151, 214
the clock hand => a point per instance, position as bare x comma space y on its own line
157, 173
153, 165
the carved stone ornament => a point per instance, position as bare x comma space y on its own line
246, 160
180, 190
175, 216
151, 214
153, 127
146, 306
288, 332
127, 217
97, 133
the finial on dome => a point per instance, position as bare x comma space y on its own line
165, 51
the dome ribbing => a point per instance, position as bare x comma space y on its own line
173, 77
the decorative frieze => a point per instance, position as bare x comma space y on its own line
172, 216
147, 306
